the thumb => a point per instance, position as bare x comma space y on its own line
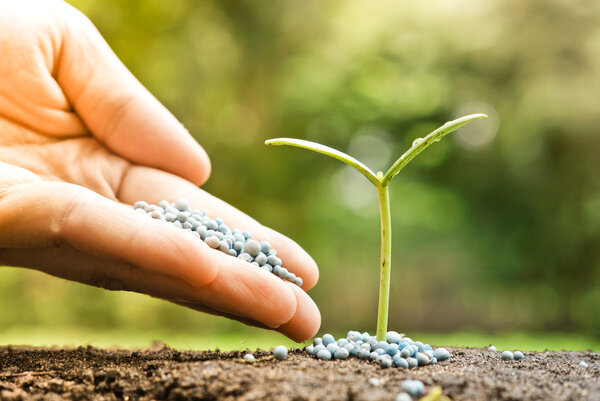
116, 107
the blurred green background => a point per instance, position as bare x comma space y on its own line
496, 229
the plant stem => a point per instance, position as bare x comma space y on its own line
385, 263
381, 182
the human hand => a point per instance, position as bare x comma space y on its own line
80, 141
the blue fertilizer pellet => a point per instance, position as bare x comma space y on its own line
422, 359
324, 354
341, 353
401, 363
441, 354
393, 337
252, 247
364, 353
413, 387
182, 204
385, 362
319, 348
265, 247
391, 349
280, 352
403, 397
332, 348
328, 339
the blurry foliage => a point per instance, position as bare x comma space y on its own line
498, 228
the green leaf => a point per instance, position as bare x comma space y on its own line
420, 145
326, 150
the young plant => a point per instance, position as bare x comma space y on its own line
381, 182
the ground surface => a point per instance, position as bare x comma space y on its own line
166, 374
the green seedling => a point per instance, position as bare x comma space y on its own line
381, 182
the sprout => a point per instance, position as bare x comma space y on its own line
381, 182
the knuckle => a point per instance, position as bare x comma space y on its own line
120, 107
284, 307
73, 201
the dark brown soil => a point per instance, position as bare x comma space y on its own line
162, 373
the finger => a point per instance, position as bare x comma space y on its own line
306, 320
117, 109
142, 183
246, 291
237, 291
303, 325
44, 214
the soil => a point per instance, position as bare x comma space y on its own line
162, 373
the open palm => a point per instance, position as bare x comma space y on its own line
80, 141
